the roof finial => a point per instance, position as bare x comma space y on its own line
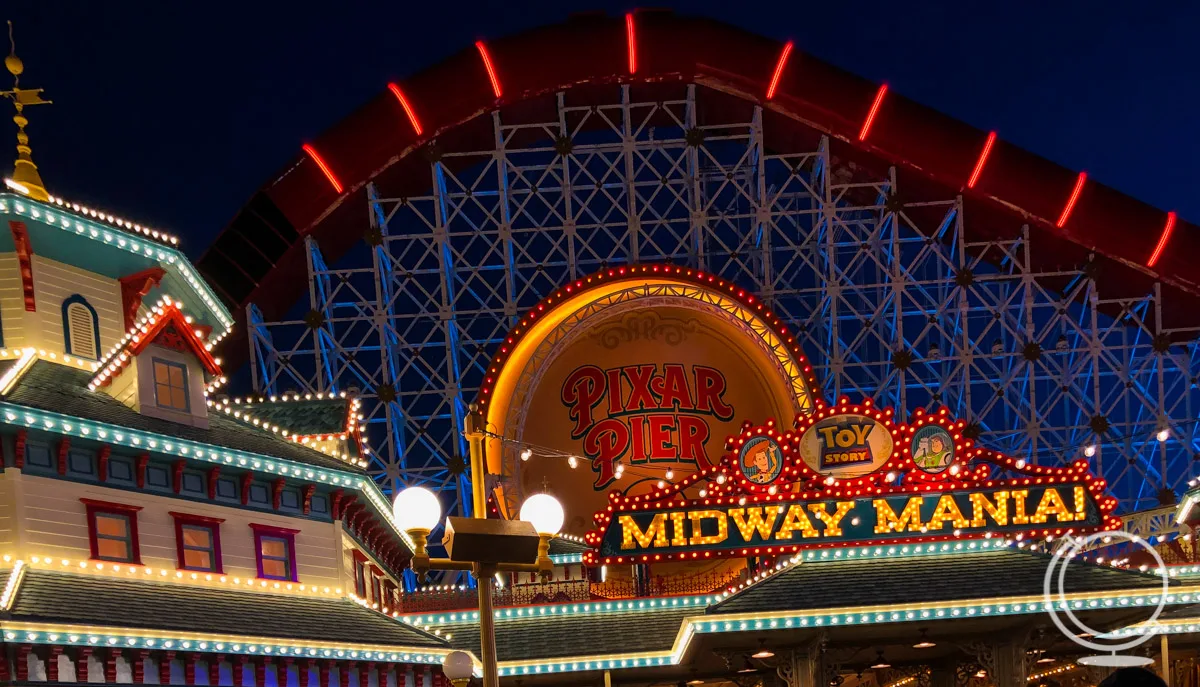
25, 174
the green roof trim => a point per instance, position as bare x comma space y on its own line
62, 390
40, 388
169, 258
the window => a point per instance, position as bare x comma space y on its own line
276, 550
198, 542
112, 531
81, 328
376, 596
360, 574
171, 385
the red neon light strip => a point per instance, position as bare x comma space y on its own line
631, 40
412, 116
1066, 213
866, 127
783, 58
487, 63
1162, 240
312, 152
983, 156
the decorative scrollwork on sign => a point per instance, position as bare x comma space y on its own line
647, 326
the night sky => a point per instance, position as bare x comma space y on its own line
172, 114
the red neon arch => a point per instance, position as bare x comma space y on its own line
316, 157
593, 52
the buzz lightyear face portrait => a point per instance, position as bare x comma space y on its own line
932, 449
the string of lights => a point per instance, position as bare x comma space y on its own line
58, 216
527, 450
163, 575
312, 441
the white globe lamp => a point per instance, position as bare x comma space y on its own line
416, 508
544, 512
458, 667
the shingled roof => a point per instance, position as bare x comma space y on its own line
304, 417
921, 579
561, 636
55, 597
559, 545
61, 389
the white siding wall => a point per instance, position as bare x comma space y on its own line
53, 283
8, 511
54, 523
12, 301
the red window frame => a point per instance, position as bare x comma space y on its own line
376, 585
95, 507
272, 532
213, 525
360, 574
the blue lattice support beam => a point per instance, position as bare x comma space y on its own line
320, 316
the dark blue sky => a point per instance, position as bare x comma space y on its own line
172, 114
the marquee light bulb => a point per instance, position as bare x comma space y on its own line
1090, 450
1163, 434
573, 462
526, 454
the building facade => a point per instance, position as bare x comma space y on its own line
732, 517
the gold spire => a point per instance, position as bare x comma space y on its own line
25, 172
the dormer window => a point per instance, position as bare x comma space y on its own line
81, 328
171, 385
160, 367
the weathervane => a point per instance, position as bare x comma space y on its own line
25, 173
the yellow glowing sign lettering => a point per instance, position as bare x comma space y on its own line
946, 511
909, 519
997, 511
1020, 515
1051, 504
796, 520
655, 534
678, 537
780, 523
831, 521
700, 539
750, 520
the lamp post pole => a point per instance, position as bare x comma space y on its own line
484, 575
485, 578
484, 547
473, 430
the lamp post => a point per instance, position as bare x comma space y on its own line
483, 547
